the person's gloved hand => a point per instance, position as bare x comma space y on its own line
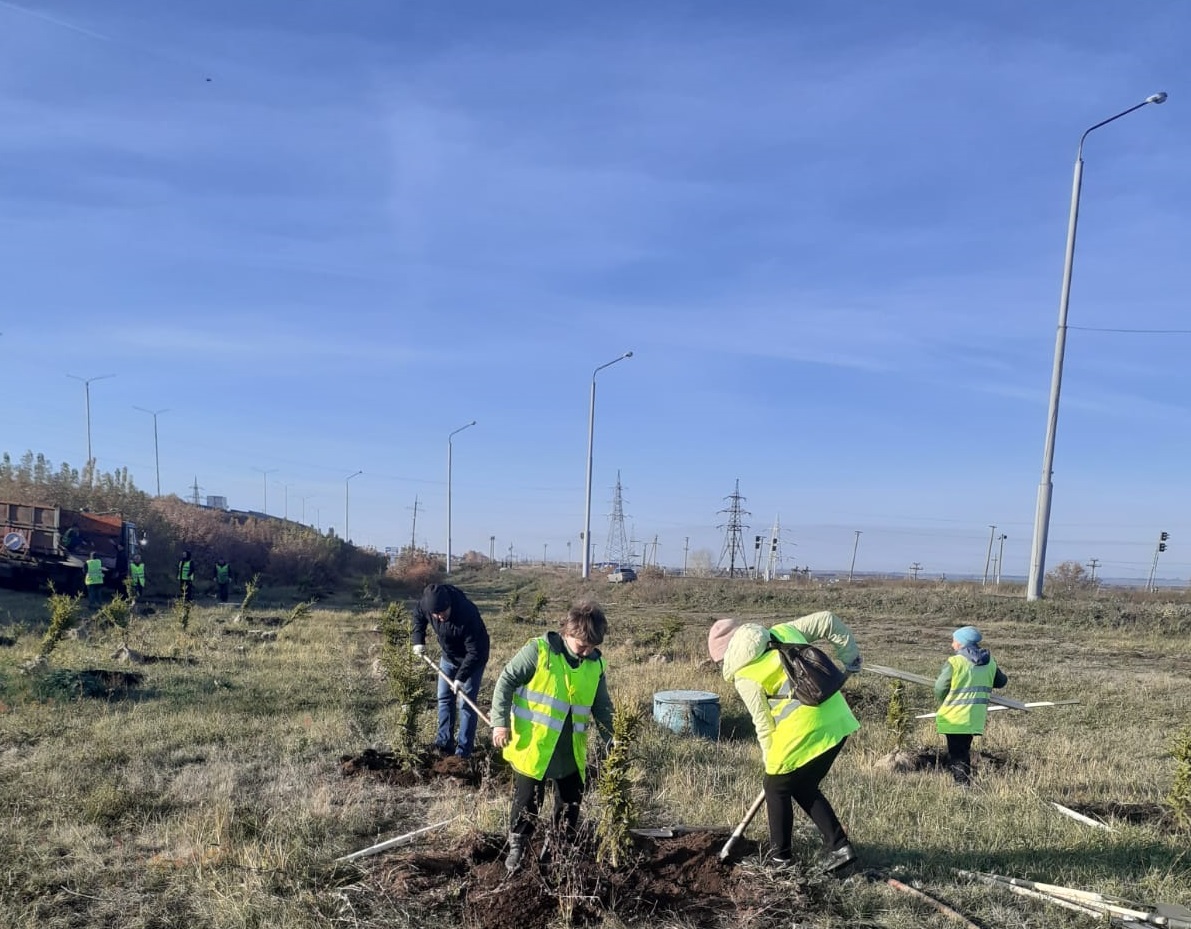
853, 667
419, 650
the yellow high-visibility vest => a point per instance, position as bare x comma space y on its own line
137, 572
94, 571
540, 708
965, 708
801, 732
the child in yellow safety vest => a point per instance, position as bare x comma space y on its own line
962, 689
543, 707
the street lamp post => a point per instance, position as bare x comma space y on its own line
1045, 486
449, 446
590, 439
347, 506
156, 454
87, 391
265, 484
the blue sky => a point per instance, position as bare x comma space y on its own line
324, 235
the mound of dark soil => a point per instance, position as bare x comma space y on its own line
425, 766
935, 759
680, 876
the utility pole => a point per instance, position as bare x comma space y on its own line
915, 568
1160, 547
195, 489
1094, 563
492, 548
510, 554
264, 486
568, 554
855, 545
686, 547
1001, 556
544, 546
413, 536
988, 557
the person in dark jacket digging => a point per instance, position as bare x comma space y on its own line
463, 639
962, 689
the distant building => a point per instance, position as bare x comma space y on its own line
217, 503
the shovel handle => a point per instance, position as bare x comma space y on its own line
744, 824
466, 699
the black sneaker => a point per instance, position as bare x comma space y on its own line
839, 860
776, 862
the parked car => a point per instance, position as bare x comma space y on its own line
622, 575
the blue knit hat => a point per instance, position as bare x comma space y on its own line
967, 635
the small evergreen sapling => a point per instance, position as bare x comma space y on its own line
1179, 798
407, 679
614, 787
897, 717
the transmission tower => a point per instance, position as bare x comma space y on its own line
616, 551
773, 562
734, 538
194, 488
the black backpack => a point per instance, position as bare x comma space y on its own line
813, 676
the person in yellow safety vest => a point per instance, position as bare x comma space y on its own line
798, 742
136, 571
94, 581
223, 578
962, 689
186, 577
543, 706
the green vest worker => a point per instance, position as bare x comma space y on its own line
94, 580
962, 689
136, 570
798, 742
543, 707
223, 578
186, 577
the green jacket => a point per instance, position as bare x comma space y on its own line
520, 671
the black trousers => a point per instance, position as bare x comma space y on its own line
959, 756
224, 587
528, 795
801, 786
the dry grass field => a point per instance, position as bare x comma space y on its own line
209, 791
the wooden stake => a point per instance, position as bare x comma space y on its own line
937, 904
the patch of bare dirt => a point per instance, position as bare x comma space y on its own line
935, 759
391, 768
680, 876
1156, 815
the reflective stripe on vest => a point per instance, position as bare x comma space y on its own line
94, 571
801, 733
541, 707
965, 708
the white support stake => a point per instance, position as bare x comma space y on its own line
394, 843
1079, 817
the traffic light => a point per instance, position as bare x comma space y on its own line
1161, 546
1164, 536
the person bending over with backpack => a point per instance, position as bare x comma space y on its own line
799, 742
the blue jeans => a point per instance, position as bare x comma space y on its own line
450, 705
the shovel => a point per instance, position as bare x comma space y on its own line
459, 693
744, 824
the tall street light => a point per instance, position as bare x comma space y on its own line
265, 486
156, 453
449, 437
87, 389
590, 439
1045, 486
347, 506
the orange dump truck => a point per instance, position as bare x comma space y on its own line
41, 544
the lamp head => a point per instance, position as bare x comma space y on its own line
628, 354
1159, 97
